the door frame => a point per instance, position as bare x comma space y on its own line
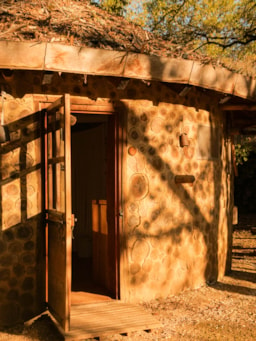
110, 262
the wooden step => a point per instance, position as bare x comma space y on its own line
109, 317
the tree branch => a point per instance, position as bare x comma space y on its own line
227, 45
168, 13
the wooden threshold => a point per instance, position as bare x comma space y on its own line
108, 317
81, 298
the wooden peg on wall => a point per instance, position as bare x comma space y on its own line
181, 179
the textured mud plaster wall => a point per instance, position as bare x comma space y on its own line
176, 234
20, 203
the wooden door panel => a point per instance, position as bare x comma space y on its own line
58, 209
104, 221
56, 269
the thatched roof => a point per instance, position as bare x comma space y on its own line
82, 24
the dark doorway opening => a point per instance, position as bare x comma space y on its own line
92, 172
245, 186
244, 228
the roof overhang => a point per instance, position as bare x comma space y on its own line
91, 61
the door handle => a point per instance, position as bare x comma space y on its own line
73, 223
73, 220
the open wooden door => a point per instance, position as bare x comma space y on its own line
58, 208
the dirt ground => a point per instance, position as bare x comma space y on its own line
223, 311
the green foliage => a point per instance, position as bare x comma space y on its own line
214, 27
114, 6
243, 148
242, 154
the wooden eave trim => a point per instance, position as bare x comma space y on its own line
238, 107
91, 61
